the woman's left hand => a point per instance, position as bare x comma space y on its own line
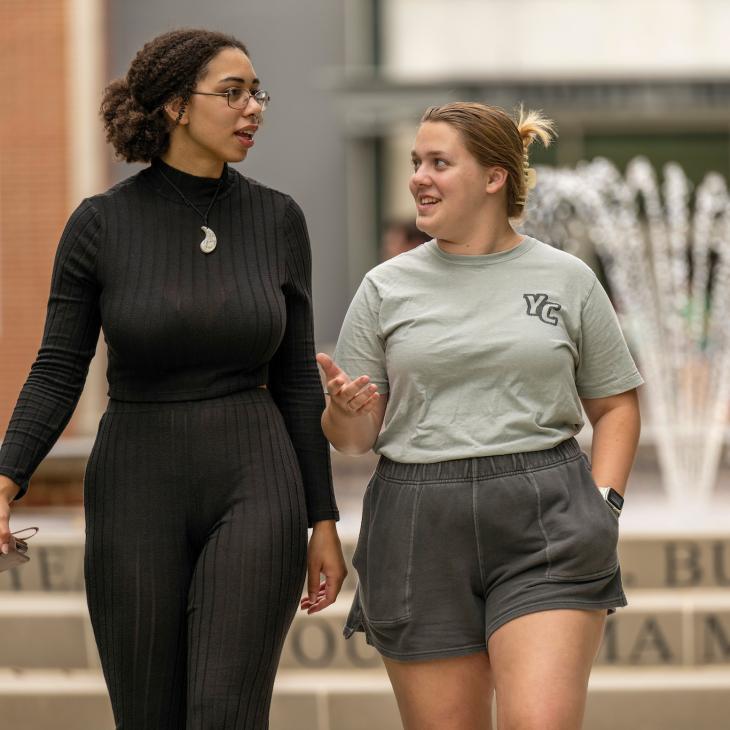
324, 557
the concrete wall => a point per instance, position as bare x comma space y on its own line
295, 47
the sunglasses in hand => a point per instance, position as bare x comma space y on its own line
18, 552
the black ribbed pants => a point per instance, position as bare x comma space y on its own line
195, 559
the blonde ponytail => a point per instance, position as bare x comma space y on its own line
531, 125
534, 125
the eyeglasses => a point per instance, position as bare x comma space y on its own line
238, 98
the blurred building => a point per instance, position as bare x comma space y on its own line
620, 79
349, 80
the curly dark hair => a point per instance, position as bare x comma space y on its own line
167, 68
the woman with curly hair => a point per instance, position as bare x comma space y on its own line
209, 462
487, 554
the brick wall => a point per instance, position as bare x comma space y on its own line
34, 185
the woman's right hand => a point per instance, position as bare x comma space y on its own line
8, 490
350, 397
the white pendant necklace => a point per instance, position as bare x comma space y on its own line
209, 243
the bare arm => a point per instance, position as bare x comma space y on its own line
616, 426
350, 423
355, 410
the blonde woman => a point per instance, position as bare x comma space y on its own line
487, 553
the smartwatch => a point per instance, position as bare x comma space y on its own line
613, 499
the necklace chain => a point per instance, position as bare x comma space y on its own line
195, 207
209, 243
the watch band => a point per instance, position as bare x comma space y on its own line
613, 499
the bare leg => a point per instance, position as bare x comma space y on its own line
541, 663
444, 694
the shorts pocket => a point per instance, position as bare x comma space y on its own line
384, 553
580, 529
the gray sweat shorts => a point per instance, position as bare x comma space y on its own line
449, 552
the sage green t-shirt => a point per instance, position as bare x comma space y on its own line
483, 355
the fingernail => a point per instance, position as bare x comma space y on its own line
5, 549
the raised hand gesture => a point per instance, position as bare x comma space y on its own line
351, 397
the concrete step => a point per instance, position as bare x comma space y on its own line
650, 558
46, 631
39, 699
688, 627
635, 699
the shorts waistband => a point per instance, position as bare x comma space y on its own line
480, 467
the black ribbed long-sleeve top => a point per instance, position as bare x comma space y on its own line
179, 324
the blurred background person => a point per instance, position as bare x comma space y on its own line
400, 236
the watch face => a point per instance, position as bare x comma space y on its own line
615, 499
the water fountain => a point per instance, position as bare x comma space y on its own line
666, 253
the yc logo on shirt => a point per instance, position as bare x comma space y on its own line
538, 305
